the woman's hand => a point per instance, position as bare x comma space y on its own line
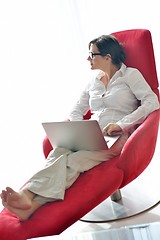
112, 129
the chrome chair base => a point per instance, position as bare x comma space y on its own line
139, 196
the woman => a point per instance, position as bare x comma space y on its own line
113, 97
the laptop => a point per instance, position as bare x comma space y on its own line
78, 135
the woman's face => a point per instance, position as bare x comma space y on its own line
96, 60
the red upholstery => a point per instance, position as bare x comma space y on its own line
140, 54
47, 147
96, 185
139, 149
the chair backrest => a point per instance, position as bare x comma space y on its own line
136, 155
140, 54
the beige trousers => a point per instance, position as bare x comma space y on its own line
63, 167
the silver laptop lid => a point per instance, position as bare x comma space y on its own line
75, 135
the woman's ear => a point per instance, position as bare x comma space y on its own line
108, 57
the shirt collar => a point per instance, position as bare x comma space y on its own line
123, 69
119, 73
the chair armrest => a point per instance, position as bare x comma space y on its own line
139, 148
47, 147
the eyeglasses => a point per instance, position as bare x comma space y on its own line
91, 54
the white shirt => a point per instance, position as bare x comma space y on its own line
119, 101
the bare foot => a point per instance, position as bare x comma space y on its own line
20, 203
19, 200
22, 214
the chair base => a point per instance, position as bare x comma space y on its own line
137, 197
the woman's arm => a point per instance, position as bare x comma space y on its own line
148, 100
81, 107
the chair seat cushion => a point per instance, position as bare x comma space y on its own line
89, 190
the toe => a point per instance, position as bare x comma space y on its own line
9, 190
3, 195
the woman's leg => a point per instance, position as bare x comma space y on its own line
82, 161
49, 184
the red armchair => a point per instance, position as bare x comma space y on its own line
94, 186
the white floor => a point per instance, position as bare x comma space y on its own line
152, 215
